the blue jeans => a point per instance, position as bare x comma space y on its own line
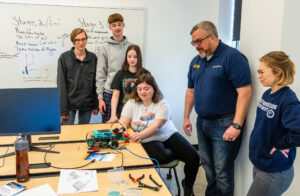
84, 117
270, 183
217, 156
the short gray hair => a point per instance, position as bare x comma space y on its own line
207, 26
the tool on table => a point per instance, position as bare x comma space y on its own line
136, 179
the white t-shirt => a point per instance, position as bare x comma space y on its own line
142, 117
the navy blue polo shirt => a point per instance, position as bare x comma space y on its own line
215, 81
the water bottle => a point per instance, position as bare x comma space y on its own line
22, 164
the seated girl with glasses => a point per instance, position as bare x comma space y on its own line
148, 115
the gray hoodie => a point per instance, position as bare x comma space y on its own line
110, 60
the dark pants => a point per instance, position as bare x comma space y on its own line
176, 147
217, 155
107, 113
84, 117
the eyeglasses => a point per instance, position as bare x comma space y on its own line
80, 40
260, 71
199, 41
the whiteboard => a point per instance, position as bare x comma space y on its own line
34, 36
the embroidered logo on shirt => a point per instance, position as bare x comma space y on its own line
217, 66
196, 66
268, 108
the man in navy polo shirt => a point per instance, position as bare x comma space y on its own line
219, 86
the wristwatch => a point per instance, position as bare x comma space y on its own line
236, 126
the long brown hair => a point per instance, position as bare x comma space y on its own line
148, 79
139, 65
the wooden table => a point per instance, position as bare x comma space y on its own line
69, 133
104, 184
73, 148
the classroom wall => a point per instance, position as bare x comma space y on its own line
290, 44
266, 26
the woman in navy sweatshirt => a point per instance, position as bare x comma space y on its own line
276, 132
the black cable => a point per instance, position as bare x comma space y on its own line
86, 136
3, 163
92, 161
43, 146
117, 121
119, 152
122, 159
91, 139
121, 148
7, 152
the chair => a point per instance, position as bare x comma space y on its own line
172, 165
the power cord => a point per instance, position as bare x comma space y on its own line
121, 158
157, 163
78, 167
117, 121
3, 162
43, 146
158, 167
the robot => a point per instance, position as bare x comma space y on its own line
106, 138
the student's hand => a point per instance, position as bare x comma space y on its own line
112, 119
231, 134
95, 111
102, 106
136, 137
65, 117
284, 152
187, 126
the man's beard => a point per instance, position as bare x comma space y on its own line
203, 54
